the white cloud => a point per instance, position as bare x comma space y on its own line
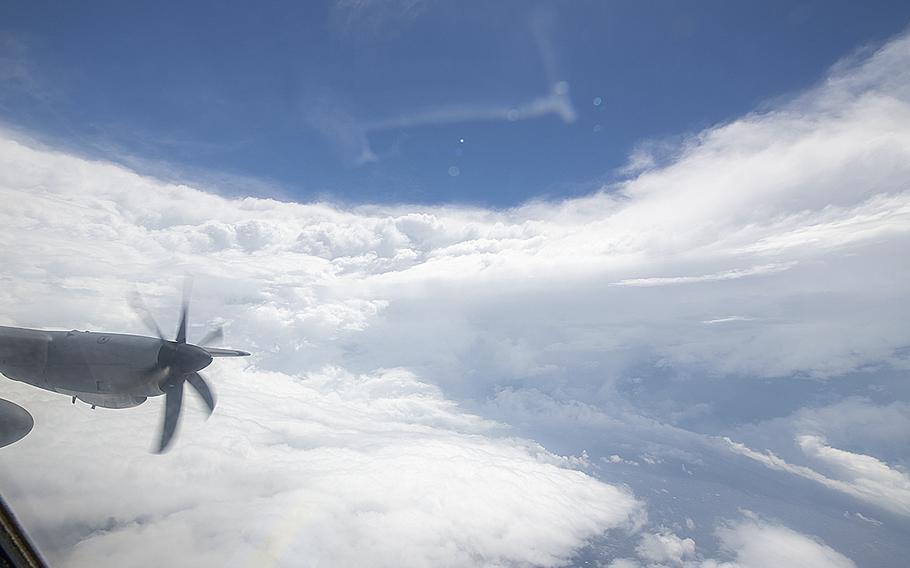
624, 563
758, 544
869, 477
861, 476
352, 136
726, 275
556, 103
866, 519
727, 319
369, 17
376, 470
665, 547
750, 543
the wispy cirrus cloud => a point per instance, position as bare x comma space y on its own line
556, 103
17, 72
351, 135
359, 18
858, 475
715, 277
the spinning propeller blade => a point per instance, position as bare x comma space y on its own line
184, 308
179, 362
213, 336
145, 315
173, 401
197, 382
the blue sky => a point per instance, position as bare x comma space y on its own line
370, 101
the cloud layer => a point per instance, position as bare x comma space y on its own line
335, 468
771, 248
750, 543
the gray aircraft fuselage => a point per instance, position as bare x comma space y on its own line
111, 370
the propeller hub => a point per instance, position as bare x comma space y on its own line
184, 357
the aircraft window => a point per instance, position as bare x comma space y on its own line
457, 283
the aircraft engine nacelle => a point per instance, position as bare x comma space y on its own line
23, 353
111, 400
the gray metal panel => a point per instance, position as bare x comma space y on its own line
90, 362
23, 352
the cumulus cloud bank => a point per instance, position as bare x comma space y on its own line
795, 219
750, 543
793, 202
332, 468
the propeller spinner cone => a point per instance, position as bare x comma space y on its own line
179, 363
183, 358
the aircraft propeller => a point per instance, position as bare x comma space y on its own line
179, 363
